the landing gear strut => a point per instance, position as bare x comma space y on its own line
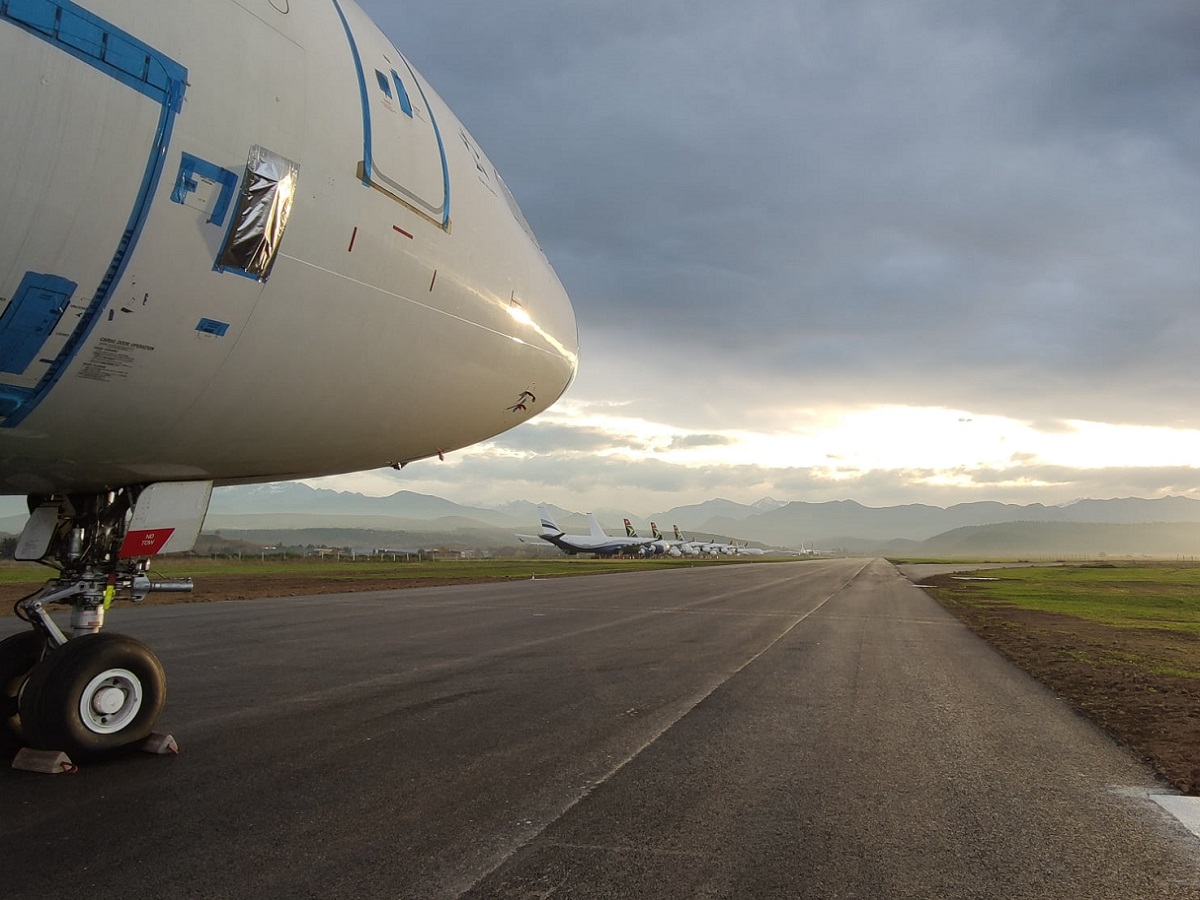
87, 694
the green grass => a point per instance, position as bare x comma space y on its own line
1125, 596
1172, 671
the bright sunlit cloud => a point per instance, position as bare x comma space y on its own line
898, 437
582, 455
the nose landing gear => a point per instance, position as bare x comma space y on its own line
87, 694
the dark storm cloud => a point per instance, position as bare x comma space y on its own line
813, 189
984, 206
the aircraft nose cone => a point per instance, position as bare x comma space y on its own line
547, 320
561, 322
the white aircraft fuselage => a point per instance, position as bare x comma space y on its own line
258, 251
240, 240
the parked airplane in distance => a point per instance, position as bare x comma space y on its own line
700, 548
686, 547
746, 550
683, 547
249, 247
596, 541
663, 546
657, 546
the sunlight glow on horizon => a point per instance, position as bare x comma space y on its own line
899, 437
928, 449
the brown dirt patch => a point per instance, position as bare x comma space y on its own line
216, 588
1109, 674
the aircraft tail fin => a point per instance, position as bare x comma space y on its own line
655, 532
678, 536
548, 524
594, 527
629, 532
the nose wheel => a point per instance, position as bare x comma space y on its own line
93, 697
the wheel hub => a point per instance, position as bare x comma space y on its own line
110, 701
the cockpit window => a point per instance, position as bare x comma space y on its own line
383, 84
516, 210
402, 95
264, 204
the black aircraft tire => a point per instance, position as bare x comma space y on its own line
19, 653
93, 697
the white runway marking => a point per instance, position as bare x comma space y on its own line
1185, 809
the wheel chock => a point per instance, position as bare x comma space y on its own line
159, 743
44, 762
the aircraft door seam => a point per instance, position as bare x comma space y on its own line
100, 44
362, 92
371, 175
437, 133
137, 65
30, 317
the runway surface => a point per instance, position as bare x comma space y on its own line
813, 729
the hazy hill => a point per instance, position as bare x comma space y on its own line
295, 499
698, 515
1041, 540
828, 524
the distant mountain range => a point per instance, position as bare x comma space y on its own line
845, 523
1130, 525
963, 529
1046, 540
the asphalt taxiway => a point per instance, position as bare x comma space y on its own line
812, 729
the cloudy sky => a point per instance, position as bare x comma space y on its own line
886, 250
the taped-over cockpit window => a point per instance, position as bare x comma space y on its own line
264, 204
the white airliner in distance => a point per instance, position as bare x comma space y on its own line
686, 547
254, 252
681, 546
596, 541
747, 550
699, 548
664, 546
